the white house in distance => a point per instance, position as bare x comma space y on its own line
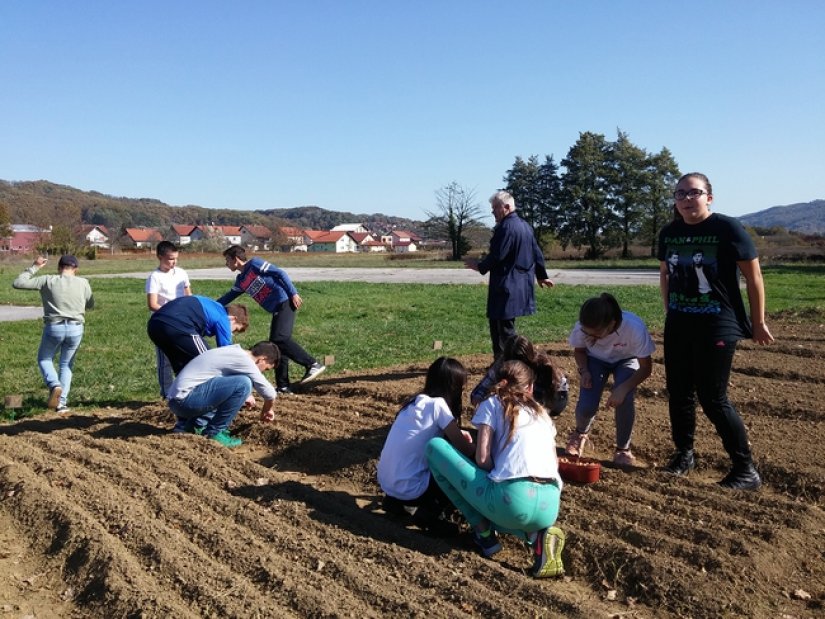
333, 242
403, 241
95, 236
358, 228
183, 234
296, 239
366, 243
231, 233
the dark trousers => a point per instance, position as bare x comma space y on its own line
500, 332
698, 365
280, 334
178, 346
430, 504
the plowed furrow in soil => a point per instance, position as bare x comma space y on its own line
710, 533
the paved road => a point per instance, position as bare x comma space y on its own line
594, 277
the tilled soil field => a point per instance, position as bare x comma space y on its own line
105, 513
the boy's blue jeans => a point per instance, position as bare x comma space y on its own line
589, 399
65, 337
214, 403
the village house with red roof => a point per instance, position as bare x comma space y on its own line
333, 242
366, 243
140, 238
403, 241
295, 239
256, 237
94, 236
183, 234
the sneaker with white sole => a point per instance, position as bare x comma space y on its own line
62, 408
547, 553
54, 396
624, 457
313, 372
575, 443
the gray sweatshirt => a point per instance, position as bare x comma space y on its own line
64, 297
223, 361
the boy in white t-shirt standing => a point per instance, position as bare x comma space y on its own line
165, 283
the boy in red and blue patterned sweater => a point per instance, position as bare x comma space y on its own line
273, 291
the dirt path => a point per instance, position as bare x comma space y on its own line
116, 517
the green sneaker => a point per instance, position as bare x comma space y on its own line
225, 439
547, 549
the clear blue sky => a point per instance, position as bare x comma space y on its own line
371, 106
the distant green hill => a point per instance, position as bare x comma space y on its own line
804, 218
43, 203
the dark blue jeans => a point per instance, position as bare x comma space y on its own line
213, 404
699, 366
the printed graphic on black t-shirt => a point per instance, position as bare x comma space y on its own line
693, 274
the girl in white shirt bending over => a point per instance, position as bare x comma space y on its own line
402, 468
514, 485
607, 340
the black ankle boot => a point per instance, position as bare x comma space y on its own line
742, 478
682, 462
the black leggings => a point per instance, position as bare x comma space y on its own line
699, 366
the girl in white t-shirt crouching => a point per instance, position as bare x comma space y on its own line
403, 473
513, 486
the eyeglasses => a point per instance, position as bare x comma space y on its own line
607, 330
681, 194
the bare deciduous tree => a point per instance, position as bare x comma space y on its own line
457, 209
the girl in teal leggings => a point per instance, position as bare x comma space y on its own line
514, 484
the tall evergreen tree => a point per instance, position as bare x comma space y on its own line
549, 191
662, 173
587, 219
521, 182
536, 189
627, 186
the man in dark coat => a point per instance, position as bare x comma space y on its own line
514, 262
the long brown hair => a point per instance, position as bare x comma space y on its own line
446, 378
514, 380
548, 377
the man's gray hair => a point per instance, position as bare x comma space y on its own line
503, 198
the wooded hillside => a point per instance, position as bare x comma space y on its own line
42, 204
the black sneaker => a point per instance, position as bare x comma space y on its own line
488, 544
742, 479
284, 391
681, 463
313, 372
395, 507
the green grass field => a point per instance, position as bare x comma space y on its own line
363, 325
